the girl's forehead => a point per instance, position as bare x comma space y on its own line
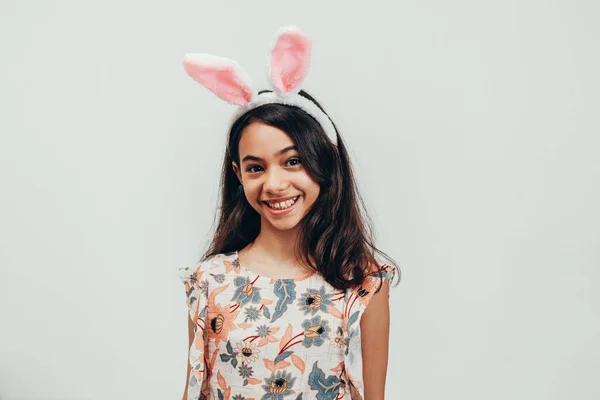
263, 141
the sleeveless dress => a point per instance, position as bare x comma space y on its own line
264, 338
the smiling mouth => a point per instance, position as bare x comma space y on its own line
283, 205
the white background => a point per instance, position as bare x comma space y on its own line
474, 130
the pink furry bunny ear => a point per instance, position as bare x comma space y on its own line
289, 59
220, 75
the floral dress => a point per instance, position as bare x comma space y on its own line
273, 339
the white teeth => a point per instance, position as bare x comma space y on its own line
284, 204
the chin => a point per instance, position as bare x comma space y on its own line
280, 225
284, 227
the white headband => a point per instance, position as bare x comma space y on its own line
288, 64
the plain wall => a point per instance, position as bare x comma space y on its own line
474, 131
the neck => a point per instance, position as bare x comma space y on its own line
275, 245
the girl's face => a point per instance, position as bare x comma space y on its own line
271, 171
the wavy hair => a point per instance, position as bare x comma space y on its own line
336, 232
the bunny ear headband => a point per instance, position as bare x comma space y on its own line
289, 59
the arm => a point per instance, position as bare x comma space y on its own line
375, 335
191, 338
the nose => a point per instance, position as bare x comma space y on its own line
275, 180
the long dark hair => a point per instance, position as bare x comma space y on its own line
337, 231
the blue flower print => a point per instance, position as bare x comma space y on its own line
278, 385
193, 276
245, 372
245, 292
314, 300
252, 314
315, 330
204, 287
263, 331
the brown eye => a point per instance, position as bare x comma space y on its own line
297, 160
250, 168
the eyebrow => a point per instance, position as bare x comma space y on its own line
277, 154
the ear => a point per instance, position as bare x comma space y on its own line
237, 171
289, 59
220, 75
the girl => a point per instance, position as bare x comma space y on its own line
289, 301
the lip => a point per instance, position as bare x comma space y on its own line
284, 211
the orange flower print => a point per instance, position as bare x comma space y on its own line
221, 322
220, 318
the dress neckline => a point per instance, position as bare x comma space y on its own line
303, 277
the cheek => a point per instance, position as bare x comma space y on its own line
252, 191
310, 188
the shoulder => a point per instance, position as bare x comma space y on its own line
376, 277
201, 269
377, 274
215, 266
